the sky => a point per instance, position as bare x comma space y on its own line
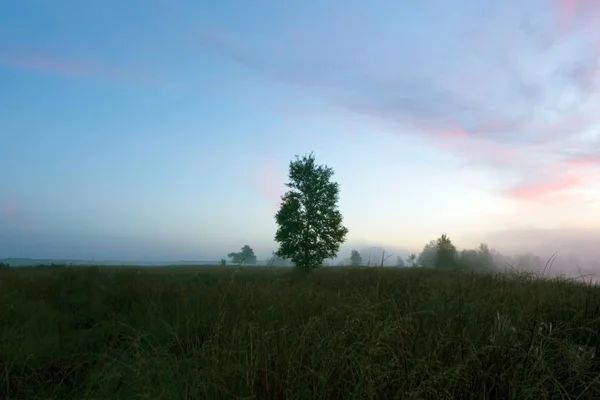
164, 129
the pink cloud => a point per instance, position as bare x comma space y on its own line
566, 178
74, 68
455, 140
479, 146
585, 162
566, 9
570, 12
457, 133
542, 191
533, 187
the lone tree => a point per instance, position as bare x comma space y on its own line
355, 258
310, 226
246, 256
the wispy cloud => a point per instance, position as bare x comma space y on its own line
507, 86
75, 68
538, 190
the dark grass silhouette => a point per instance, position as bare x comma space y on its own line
266, 333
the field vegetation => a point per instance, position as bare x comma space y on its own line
267, 333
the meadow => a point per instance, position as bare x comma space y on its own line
276, 333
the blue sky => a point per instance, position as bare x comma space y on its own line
163, 129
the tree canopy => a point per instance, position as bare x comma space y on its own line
310, 228
355, 258
246, 256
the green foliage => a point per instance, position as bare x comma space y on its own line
480, 259
309, 223
193, 332
223, 262
440, 253
355, 258
428, 257
446, 253
246, 256
486, 258
469, 258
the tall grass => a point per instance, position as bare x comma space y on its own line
269, 333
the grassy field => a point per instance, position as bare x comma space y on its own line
267, 333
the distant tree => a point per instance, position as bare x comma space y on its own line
468, 259
428, 257
485, 257
498, 259
246, 256
400, 262
482, 259
355, 258
309, 223
446, 253
223, 262
412, 260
